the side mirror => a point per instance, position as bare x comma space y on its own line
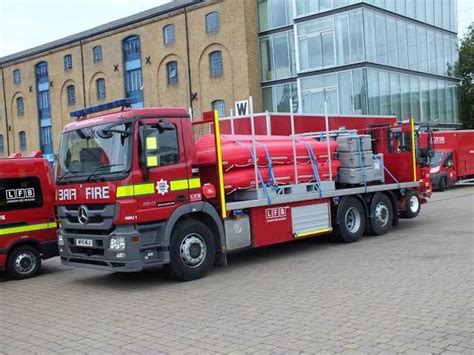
151, 146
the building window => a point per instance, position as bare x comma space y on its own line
168, 34
100, 84
2, 147
97, 54
131, 48
68, 62
16, 76
22, 137
212, 22
71, 95
277, 56
277, 13
219, 106
172, 72
316, 42
20, 106
215, 60
42, 72
133, 69
277, 98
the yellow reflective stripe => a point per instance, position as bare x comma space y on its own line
28, 228
123, 191
144, 189
135, 190
177, 185
318, 231
194, 183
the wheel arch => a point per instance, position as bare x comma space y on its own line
200, 211
21, 242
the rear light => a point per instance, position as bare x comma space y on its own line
209, 191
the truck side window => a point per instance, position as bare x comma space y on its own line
449, 161
168, 145
20, 193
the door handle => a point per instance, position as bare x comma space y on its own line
181, 198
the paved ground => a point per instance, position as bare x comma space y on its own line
410, 291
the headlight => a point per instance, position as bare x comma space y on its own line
434, 170
118, 243
60, 240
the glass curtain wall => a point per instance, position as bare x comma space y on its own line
276, 98
370, 91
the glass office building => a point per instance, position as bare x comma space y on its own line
375, 57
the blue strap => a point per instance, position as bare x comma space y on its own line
314, 165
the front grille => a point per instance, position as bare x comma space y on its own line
100, 219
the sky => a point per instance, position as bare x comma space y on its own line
28, 23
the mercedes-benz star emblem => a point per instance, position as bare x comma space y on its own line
83, 216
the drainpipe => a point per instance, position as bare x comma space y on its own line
83, 76
6, 113
188, 59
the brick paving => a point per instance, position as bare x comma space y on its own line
407, 292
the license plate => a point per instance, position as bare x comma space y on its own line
84, 242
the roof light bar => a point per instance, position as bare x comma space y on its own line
104, 107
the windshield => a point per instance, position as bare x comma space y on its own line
96, 151
436, 159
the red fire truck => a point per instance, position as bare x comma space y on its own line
140, 188
27, 224
453, 160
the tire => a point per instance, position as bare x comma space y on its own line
192, 251
412, 205
23, 262
442, 184
381, 212
350, 220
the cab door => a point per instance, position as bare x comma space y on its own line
166, 168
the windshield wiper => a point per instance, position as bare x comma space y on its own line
69, 172
100, 168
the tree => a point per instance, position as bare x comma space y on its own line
465, 70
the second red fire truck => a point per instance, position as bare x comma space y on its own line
141, 188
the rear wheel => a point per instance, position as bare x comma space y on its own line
412, 205
381, 212
23, 262
351, 221
192, 251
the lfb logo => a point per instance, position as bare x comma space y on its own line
439, 140
18, 194
273, 213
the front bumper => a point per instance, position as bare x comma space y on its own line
136, 256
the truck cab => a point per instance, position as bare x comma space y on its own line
27, 224
443, 169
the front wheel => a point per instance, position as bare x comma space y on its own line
23, 262
350, 223
442, 184
192, 251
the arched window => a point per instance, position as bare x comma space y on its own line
20, 106
2, 147
42, 72
22, 138
172, 72
215, 61
16, 76
131, 48
212, 22
71, 95
168, 34
68, 62
100, 85
97, 54
219, 106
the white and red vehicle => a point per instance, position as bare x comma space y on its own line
140, 188
453, 160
